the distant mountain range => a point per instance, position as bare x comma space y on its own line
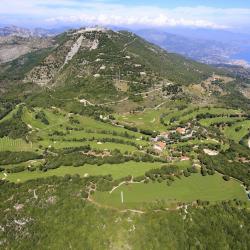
207, 46
16, 41
25, 33
203, 45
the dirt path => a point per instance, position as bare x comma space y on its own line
114, 102
126, 98
158, 106
114, 188
133, 211
124, 182
138, 211
101, 205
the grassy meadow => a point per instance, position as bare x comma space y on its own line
188, 189
116, 170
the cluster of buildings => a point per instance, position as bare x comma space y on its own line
161, 140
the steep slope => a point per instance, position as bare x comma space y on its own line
100, 52
12, 47
119, 69
17, 69
16, 42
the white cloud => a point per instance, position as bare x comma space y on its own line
141, 20
110, 13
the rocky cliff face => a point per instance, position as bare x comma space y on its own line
12, 47
16, 41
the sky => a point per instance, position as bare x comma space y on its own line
211, 14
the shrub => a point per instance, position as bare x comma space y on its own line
42, 117
186, 173
226, 177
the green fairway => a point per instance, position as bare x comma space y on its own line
183, 164
210, 188
98, 126
210, 121
233, 134
86, 128
116, 170
82, 134
212, 111
55, 119
93, 144
191, 112
10, 115
59, 121
149, 119
29, 118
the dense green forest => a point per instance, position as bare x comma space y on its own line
54, 213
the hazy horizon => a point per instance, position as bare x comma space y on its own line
223, 15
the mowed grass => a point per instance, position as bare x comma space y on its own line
209, 188
116, 170
149, 119
212, 110
10, 114
191, 112
54, 119
8, 144
183, 164
29, 118
210, 121
60, 120
93, 144
82, 134
98, 126
232, 134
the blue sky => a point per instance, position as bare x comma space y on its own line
191, 3
213, 14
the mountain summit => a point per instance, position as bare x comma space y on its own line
98, 52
